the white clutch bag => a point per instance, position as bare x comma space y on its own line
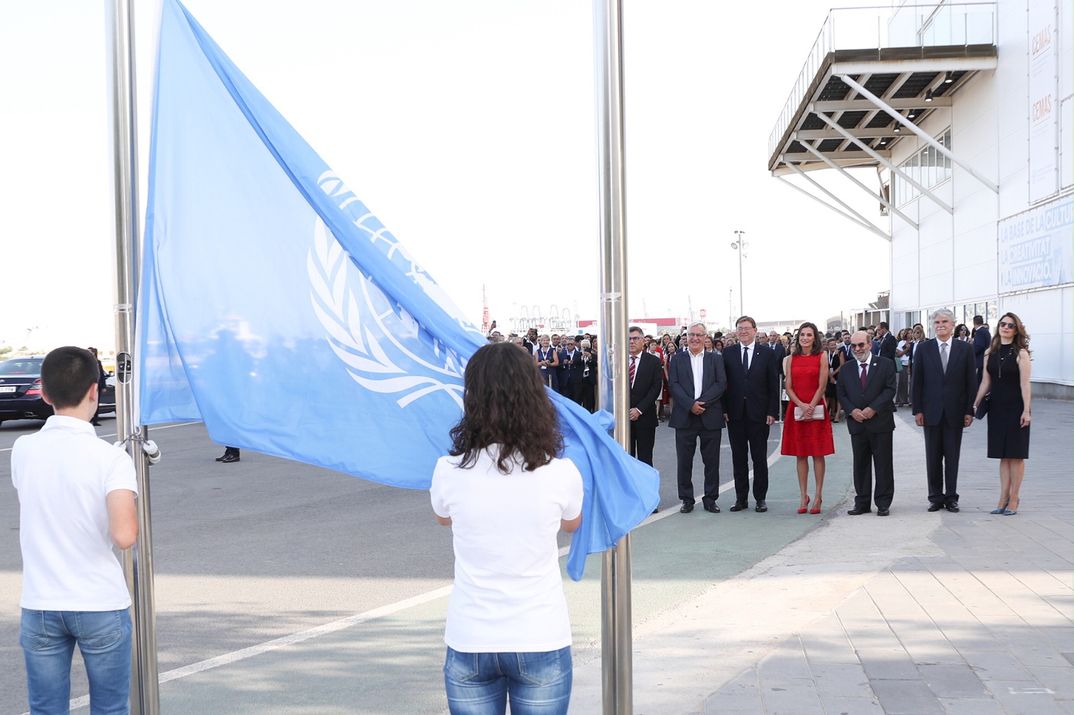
801, 415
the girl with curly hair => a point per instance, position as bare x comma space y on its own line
505, 492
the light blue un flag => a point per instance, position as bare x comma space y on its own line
278, 310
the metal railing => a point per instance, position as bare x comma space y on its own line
939, 24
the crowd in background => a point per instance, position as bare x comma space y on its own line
568, 363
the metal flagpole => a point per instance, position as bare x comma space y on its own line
138, 560
616, 660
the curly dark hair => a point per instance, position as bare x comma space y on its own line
797, 348
505, 404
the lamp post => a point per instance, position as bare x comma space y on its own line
739, 244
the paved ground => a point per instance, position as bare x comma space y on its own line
733, 612
915, 613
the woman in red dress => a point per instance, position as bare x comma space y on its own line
807, 377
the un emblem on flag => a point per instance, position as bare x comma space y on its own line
382, 346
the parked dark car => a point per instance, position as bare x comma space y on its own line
20, 391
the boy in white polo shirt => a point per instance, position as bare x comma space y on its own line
76, 499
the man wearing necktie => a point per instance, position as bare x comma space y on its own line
944, 383
865, 389
646, 376
751, 404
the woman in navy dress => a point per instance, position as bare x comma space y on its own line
1006, 383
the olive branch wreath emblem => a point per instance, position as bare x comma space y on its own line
363, 326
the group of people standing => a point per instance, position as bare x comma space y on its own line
567, 364
865, 377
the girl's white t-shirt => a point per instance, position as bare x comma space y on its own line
508, 594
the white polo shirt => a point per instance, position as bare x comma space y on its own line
63, 474
508, 594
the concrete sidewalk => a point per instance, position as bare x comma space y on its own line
754, 613
915, 613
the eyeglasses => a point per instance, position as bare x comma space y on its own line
1005, 324
858, 345
696, 335
636, 337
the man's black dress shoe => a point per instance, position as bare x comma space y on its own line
761, 507
712, 507
687, 507
740, 506
952, 507
855, 511
882, 512
656, 510
935, 507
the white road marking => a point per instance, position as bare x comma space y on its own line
284, 641
115, 434
772, 459
343, 623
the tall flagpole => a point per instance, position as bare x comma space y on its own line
616, 660
138, 560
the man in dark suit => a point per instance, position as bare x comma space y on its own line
751, 404
865, 389
697, 382
589, 376
944, 384
844, 347
646, 377
886, 342
570, 370
981, 340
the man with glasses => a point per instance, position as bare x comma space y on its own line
750, 408
866, 387
697, 381
944, 385
570, 370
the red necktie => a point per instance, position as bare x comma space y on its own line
633, 368
864, 374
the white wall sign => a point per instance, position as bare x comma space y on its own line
1036, 248
1043, 102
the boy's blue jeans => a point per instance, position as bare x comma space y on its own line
48, 641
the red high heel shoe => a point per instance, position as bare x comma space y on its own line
816, 506
804, 507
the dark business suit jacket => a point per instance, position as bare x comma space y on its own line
888, 343
939, 395
648, 379
570, 373
981, 340
878, 393
681, 384
779, 352
753, 395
